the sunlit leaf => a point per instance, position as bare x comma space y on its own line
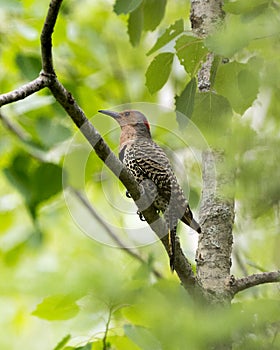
142, 337
153, 13
89, 346
191, 53
122, 343
126, 6
158, 71
240, 6
57, 307
171, 32
238, 84
63, 342
239, 31
51, 132
135, 26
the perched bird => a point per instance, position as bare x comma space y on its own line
148, 163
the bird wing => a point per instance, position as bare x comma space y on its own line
153, 162
154, 165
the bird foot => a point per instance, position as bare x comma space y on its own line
141, 216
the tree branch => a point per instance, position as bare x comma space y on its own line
157, 224
48, 79
103, 151
112, 234
25, 90
46, 36
15, 129
237, 285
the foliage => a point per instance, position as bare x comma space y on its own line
67, 291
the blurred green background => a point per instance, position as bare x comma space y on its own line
61, 289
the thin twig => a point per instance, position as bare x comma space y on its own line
109, 231
14, 128
46, 36
238, 285
240, 263
104, 340
25, 90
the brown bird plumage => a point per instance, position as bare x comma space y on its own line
147, 161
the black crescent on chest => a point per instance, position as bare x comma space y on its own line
121, 154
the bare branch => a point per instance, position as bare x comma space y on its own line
46, 37
24, 91
184, 270
157, 224
237, 285
48, 79
110, 232
15, 129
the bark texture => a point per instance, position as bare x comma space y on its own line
205, 15
213, 254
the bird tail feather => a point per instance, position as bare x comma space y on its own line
172, 240
190, 221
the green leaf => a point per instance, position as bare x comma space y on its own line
63, 342
29, 65
115, 342
126, 6
18, 173
51, 132
238, 84
185, 103
88, 346
35, 181
57, 307
158, 71
135, 26
229, 40
191, 53
212, 114
239, 31
170, 33
153, 13
241, 6
47, 181
142, 337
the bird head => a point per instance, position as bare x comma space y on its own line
130, 118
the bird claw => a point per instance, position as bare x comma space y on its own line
127, 194
141, 216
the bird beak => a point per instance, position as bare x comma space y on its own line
112, 114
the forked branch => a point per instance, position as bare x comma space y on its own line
47, 78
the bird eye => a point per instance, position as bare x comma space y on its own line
126, 114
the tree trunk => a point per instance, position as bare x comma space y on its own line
213, 254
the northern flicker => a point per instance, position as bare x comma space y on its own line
148, 163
